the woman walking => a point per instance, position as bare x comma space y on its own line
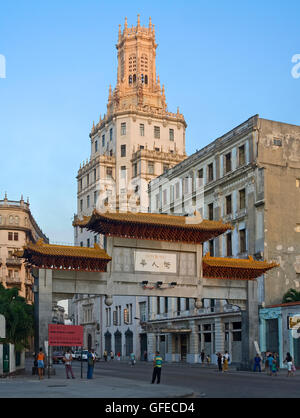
289, 361
41, 363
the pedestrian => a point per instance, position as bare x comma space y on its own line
257, 361
68, 357
208, 360
289, 361
145, 355
91, 363
111, 355
202, 355
132, 359
219, 360
270, 359
274, 367
105, 355
226, 359
157, 363
41, 363
118, 356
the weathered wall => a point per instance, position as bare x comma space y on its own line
279, 155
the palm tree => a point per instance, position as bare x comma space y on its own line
292, 295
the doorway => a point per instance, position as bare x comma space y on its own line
183, 346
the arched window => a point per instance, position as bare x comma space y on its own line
11, 219
146, 79
130, 79
142, 78
134, 78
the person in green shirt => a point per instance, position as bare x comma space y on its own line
157, 363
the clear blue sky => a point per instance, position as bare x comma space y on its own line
221, 62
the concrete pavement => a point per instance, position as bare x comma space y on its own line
28, 386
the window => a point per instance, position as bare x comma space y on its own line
211, 211
178, 305
123, 128
10, 236
142, 129
142, 147
88, 201
187, 304
88, 242
166, 305
110, 134
158, 305
16, 236
81, 205
156, 132
126, 316
103, 140
164, 197
157, 201
143, 315
123, 150
228, 205
81, 244
151, 167
277, 142
228, 162
87, 180
95, 198
229, 244
95, 174
243, 248
298, 183
123, 172
95, 239
171, 134
177, 190
242, 198
210, 172
96, 146
242, 155
211, 248
134, 169
165, 168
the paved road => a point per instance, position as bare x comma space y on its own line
118, 379
209, 382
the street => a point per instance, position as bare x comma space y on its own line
120, 379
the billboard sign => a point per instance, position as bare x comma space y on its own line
65, 335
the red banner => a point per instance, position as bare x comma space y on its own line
65, 335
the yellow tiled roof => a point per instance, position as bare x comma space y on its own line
248, 263
67, 251
154, 219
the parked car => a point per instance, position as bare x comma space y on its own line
84, 355
58, 357
77, 355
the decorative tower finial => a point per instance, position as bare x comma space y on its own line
120, 33
138, 21
150, 23
125, 26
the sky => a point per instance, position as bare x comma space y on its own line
221, 62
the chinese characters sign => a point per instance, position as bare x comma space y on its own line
65, 335
154, 262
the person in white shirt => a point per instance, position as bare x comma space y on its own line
68, 364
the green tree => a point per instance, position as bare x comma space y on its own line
19, 317
292, 295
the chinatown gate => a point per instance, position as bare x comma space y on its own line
145, 255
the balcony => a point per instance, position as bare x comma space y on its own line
13, 281
14, 262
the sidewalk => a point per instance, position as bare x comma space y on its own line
28, 386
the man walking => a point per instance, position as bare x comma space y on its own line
91, 362
68, 364
257, 361
157, 362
